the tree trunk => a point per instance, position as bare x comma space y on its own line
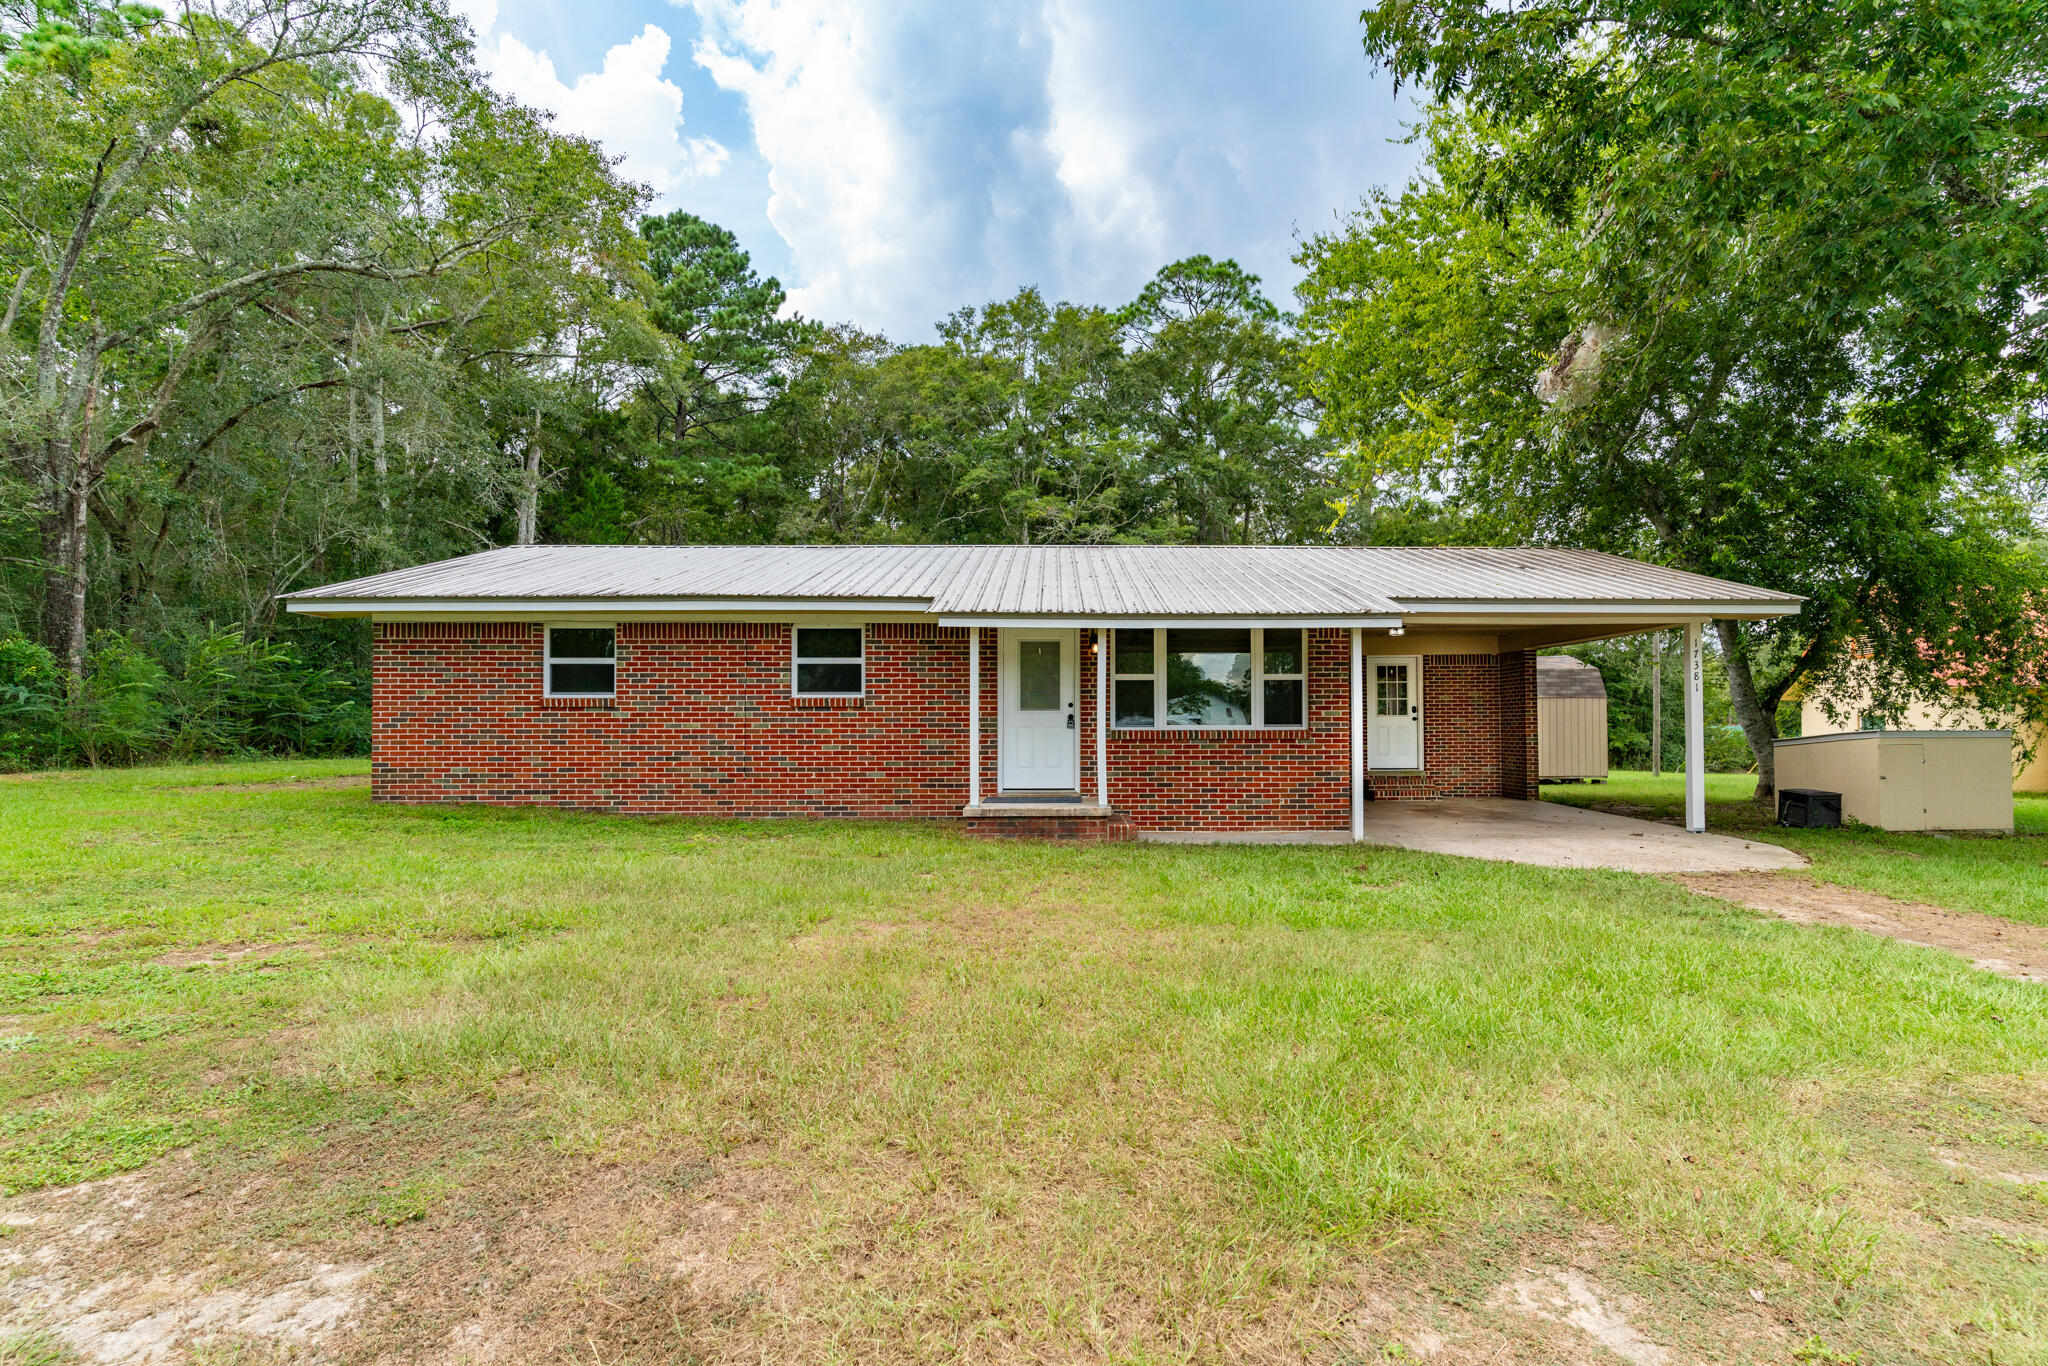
57, 557
378, 463
1759, 727
529, 489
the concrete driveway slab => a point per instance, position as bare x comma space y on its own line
1542, 833
1555, 836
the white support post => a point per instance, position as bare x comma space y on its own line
974, 716
1103, 702
1695, 731
1357, 736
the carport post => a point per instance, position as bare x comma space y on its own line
1357, 736
1695, 732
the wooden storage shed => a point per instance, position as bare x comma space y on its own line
1571, 720
1908, 779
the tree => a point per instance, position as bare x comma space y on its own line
264, 320
1228, 429
1773, 265
726, 349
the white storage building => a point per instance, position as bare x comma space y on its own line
1908, 779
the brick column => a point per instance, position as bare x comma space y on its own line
1517, 709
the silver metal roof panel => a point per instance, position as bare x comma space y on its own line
1066, 581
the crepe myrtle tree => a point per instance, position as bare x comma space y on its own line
1776, 267
219, 214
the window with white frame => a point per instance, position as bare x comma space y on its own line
582, 661
830, 661
1210, 677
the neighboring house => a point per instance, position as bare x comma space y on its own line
2030, 756
1252, 689
1571, 720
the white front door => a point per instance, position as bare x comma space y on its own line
1039, 743
1393, 709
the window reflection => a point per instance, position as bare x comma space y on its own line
1208, 677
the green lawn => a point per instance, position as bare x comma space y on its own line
1995, 874
671, 1090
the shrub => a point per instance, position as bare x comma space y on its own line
115, 716
31, 705
210, 691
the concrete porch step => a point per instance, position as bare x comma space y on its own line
1039, 808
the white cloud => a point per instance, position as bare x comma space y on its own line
628, 106
844, 179
924, 154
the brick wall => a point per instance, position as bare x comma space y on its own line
1517, 711
704, 724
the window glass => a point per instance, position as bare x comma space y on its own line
828, 661
1208, 677
1134, 702
1283, 701
580, 680
580, 661
1134, 652
1283, 652
828, 678
1038, 675
580, 642
828, 642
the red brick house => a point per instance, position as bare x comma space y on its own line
1250, 688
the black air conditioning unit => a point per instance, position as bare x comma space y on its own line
1809, 808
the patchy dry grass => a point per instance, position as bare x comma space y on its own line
545, 1087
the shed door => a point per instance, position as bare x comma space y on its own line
1393, 708
1902, 774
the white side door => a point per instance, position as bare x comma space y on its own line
1039, 741
1393, 711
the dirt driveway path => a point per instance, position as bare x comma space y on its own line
2002, 946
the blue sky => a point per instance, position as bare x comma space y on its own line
891, 160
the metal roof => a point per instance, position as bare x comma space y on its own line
1051, 581
1563, 676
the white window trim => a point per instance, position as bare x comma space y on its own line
548, 657
795, 632
1259, 677
1371, 700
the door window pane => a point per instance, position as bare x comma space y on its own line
1208, 677
1391, 689
1283, 701
1134, 702
1038, 675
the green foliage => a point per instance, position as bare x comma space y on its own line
207, 693
31, 704
116, 713
1625, 668
1180, 417
279, 311
1739, 288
